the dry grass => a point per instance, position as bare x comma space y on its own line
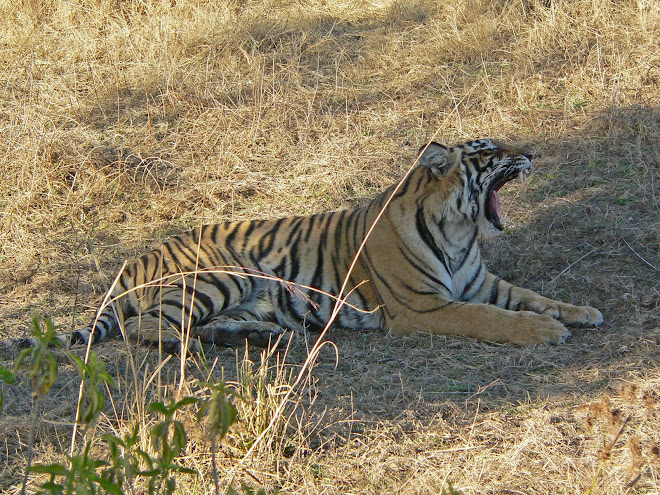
125, 122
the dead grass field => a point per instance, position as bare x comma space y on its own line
123, 122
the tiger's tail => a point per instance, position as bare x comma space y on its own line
101, 327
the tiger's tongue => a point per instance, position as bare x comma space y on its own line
495, 203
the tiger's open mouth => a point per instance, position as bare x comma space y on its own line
493, 206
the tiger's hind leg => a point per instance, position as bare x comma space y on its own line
233, 328
181, 307
168, 319
154, 328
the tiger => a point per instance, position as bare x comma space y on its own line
419, 269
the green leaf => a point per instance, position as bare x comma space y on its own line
52, 488
184, 402
146, 458
158, 407
159, 431
80, 364
113, 440
52, 469
179, 437
21, 357
7, 376
110, 487
170, 486
227, 417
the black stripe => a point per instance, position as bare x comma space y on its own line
494, 291
321, 249
215, 254
310, 227
128, 311
176, 303
229, 238
270, 238
405, 187
205, 300
353, 220
339, 231
358, 293
385, 286
294, 260
222, 288
422, 293
279, 270
199, 252
428, 239
127, 279
287, 300
508, 298
468, 252
423, 271
180, 246
98, 336
425, 179
161, 315
469, 285
252, 313
212, 232
252, 225
199, 296
151, 265
294, 229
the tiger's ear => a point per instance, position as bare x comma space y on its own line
436, 157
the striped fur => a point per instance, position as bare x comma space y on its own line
422, 267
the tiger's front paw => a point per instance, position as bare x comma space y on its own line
534, 328
580, 316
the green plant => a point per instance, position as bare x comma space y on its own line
7, 377
221, 414
42, 373
168, 439
81, 476
93, 375
125, 465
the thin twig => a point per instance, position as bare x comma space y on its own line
640, 256
87, 353
572, 265
30, 445
341, 300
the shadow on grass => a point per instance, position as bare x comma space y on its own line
589, 234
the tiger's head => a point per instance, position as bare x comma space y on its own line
481, 168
